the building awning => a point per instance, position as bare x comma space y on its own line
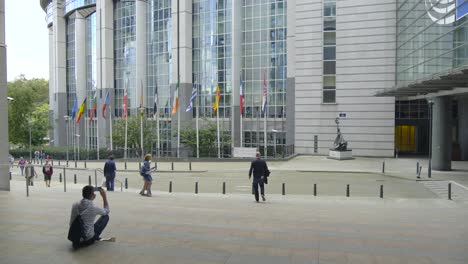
439, 82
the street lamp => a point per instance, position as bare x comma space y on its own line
67, 118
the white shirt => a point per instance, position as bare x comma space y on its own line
88, 212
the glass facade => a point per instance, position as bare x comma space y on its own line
91, 80
428, 41
71, 5
70, 72
125, 55
159, 67
329, 52
264, 58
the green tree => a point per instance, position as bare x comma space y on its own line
133, 134
208, 138
30, 107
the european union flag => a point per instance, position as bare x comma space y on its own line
462, 8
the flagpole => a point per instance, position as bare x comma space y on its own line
141, 133
97, 132
178, 117
86, 132
196, 125
126, 130
217, 125
241, 139
265, 131
110, 126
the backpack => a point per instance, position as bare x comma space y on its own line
142, 170
76, 231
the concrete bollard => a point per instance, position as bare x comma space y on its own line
60, 177
126, 183
450, 191
224, 187
74, 179
196, 187
89, 180
347, 190
315, 189
381, 191
170, 187
284, 189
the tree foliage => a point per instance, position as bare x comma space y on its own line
133, 134
29, 108
208, 138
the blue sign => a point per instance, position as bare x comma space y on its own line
462, 9
342, 114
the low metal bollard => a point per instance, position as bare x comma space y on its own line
284, 189
59, 162
125, 164
190, 166
315, 189
417, 168
60, 177
27, 187
75, 163
10, 175
139, 165
126, 183
429, 170
64, 180
170, 187
347, 190
85, 165
67, 163
89, 180
172, 165
196, 187
74, 179
381, 191
95, 178
419, 173
450, 191
383, 166
224, 187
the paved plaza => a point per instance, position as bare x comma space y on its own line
208, 227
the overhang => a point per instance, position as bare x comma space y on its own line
435, 83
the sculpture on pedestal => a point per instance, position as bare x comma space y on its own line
339, 144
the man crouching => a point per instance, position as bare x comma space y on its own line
89, 230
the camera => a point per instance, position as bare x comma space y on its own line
97, 189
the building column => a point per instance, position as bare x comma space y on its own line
463, 127
236, 71
442, 134
51, 81
141, 7
4, 168
105, 64
60, 86
80, 68
291, 74
182, 65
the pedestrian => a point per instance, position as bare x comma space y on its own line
109, 173
30, 172
47, 170
11, 159
260, 171
86, 209
43, 155
21, 164
50, 160
36, 156
145, 172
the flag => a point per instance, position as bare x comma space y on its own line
241, 102
104, 106
218, 96
74, 110
80, 112
94, 103
155, 106
264, 99
175, 104
141, 99
124, 105
192, 97
166, 108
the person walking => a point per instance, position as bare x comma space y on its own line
145, 172
109, 173
11, 159
86, 209
21, 164
260, 171
47, 170
30, 172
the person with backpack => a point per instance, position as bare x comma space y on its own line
109, 173
83, 230
145, 172
47, 170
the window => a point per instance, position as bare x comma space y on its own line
329, 52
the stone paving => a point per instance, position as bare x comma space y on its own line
215, 228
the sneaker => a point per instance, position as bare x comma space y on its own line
110, 239
142, 193
263, 198
149, 195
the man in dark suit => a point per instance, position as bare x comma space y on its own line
109, 173
259, 169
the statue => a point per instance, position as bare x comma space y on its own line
339, 144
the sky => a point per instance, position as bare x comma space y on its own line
27, 39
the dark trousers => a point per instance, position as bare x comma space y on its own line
99, 226
256, 182
110, 183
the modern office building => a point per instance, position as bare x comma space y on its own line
316, 59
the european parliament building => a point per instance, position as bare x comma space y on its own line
394, 71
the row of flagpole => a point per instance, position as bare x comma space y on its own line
77, 114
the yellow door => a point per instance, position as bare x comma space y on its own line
404, 138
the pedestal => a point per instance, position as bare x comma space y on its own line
340, 155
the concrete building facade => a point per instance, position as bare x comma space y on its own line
317, 60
